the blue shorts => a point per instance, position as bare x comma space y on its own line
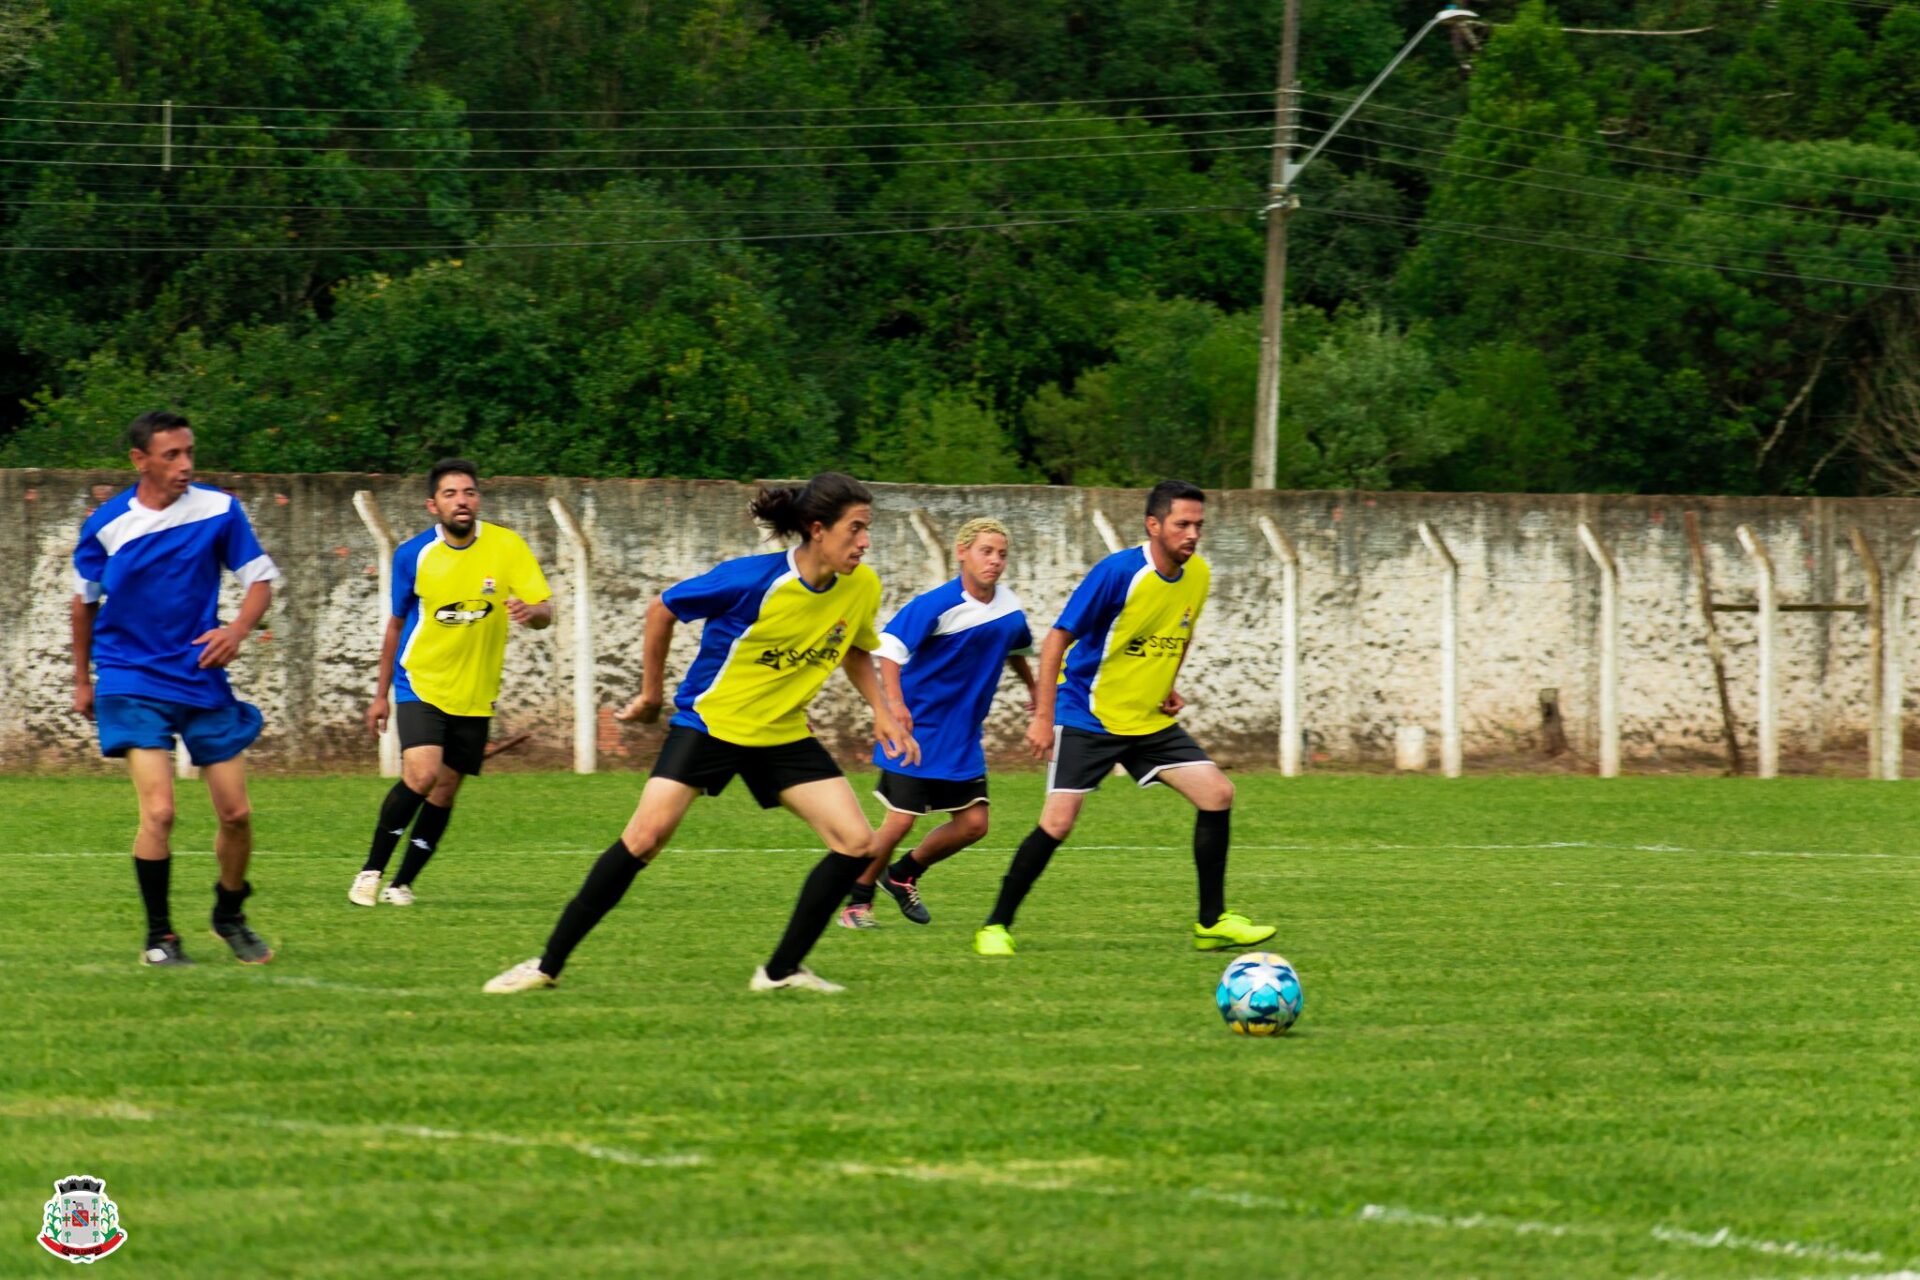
212, 734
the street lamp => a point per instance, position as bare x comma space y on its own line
1281, 202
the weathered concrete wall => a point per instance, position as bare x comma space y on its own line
1370, 599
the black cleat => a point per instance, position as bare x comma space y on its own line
248, 946
907, 894
165, 953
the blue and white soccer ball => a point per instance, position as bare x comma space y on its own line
1259, 995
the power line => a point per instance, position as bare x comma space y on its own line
287, 148
1508, 235
863, 162
647, 111
498, 246
335, 127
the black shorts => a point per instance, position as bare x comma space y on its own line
904, 793
704, 761
1081, 758
462, 739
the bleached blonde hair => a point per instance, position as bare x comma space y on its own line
972, 529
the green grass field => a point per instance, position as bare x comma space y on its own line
1554, 1027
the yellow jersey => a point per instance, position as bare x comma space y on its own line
1130, 628
454, 602
769, 643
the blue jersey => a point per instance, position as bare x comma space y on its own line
951, 648
1130, 628
156, 576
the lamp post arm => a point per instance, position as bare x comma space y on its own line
1293, 171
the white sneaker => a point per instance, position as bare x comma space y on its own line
366, 889
525, 976
398, 895
801, 979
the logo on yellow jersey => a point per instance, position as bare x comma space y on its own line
824, 654
463, 613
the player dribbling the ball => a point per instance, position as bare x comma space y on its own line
1106, 696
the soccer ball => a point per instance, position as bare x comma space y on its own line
1259, 995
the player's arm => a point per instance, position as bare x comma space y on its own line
896, 696
1023, 671
655, 637
1046, 687
83, 614
380, 708
897, 742
223, 643
534, 617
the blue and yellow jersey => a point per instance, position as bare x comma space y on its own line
454, 602
769, 644
1130, 628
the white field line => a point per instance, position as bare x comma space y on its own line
1724, 1238
274, 980
1545, 846
424, 1133
1389, 1215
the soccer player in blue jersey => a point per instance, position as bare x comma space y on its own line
1106, 696
455, 589
777, 626
146, 623
940, 660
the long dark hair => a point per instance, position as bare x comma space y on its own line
793, 508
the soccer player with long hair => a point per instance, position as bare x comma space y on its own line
776, 626
1106, 696
940, 659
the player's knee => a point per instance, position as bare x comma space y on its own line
643, 842
1222, 795
971, 824
419, 780
1057, 825
157, 816
235, 817
855, 844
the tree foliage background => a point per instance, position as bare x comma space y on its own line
967, 240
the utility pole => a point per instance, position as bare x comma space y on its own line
1280, 204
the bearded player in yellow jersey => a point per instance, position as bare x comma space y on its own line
776, 626
1106, 696
456, 587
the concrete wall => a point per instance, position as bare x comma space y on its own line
1370, 597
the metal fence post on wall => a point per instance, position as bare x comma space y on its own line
930, 542
369, 512
1767, 608
1609, 652
586, 725
1290, 730
1449, 651
1876, 653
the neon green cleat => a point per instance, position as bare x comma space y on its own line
994, 940
1231, 930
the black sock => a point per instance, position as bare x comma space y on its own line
227, 903
602, 890
1028, 862
1210, 829
906, 867
154, 877
427, 830
861, 895
396, 811
820, 893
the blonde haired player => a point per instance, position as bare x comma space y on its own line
940, 661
